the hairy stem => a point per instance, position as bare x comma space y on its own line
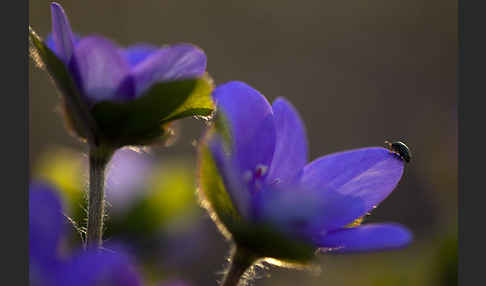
98, 160
241, 261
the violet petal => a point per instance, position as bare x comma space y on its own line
138, 53
98, 68
175, 62
290, 154
369, 174
368, 237
93, 267
46, 227
251, 125
62, 35
305, 212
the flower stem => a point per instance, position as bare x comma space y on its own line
98, 160
241, 261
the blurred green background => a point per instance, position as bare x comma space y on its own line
359, 72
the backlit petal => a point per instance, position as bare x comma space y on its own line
290, 154
138, 53
98, 68
305, 212
368, 237
62, 36
175, 62
369, 174
250, 122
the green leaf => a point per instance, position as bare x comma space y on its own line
266, 242
198, 103
77, 112
141, 120
213, 194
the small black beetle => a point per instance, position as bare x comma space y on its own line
399, 148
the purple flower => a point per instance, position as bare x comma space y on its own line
266, 185
104, 71
50, 266
116, 96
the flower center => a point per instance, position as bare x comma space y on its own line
260, 171
254, 178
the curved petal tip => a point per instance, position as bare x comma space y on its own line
63, 40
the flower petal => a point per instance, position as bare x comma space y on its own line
98, 68
94, 267
239, 194
175, 62
49, 41
138, 53
290, 154
46, 226
251, 124
368, 237
305, 212
370, 174
62, 36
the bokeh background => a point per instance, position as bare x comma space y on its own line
359, 72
